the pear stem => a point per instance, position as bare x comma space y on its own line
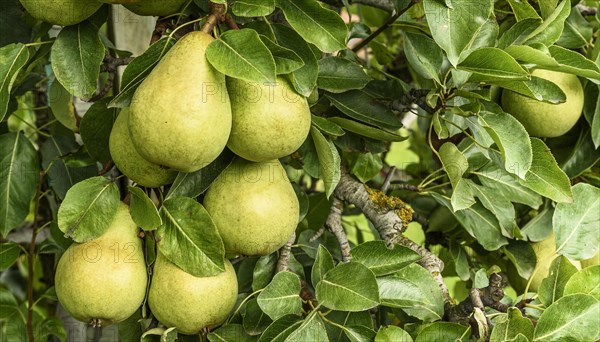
217, 15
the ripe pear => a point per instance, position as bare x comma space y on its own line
270, 121
129, 161
103, 281
61, 12
159, 8
179, 299
543, 119
253, 206
180, 115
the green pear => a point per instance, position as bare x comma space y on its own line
103, 281
61, 12
270, 121
159, 8
543, 119
180, 115
179, 299
129, 161
253, 206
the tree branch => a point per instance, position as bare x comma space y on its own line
334, 223
284, 255
385, 5
489, 296
383, 27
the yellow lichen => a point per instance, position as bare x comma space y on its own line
387, 203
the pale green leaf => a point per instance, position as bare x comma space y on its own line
143, 211
585, 281
382, 260
329, 160
552, 287
323, 263
450, 332
338, 291
253, 8
574, 317
392, 333
510, 325
282, 296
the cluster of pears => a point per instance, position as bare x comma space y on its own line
71, 12
104, 281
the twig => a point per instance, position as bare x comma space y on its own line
317, 235
284, 255
489, 296
159, 30
334, 223
110, 65
385, 5
107, 167
231, 23
383, 27
217, 15
388, 179
31, 259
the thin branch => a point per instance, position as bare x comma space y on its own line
231, 23
334, 223
381, 29
217, 15
385, 5
284, 255
489, 296
388, 179
317, 235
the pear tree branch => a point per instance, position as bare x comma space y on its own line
489, 296
284, 255
334, 224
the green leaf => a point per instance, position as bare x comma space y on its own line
253, 8
329, 160
263, 271
523, 10
455, 27
522, 255
534, 54
553, 285
196, 183
323, 264
305, 78
61, 103
517, 33
279, 330
576, 224
591, 110
537, 88
8, 304
338, 75
392, 333
76, 56
242, 54
13, 58
366, 166
95, 129
584, 155
496, 178
512, 139
139, 68
572, 318
490, 63
227, 333
367, 131
286, 60
143, 211
9, 252
189, 237
545, 177
585, 281
550, 30
359, 333
413, 290
20, 176
60, 176
424, 55
338, 291
456, 164
327, 126
450, 331
282, 296
255, 320
317, 25
573, 63
510, 325
88, 209
382, 260
312, 329
539, 227
360, 106
501, 207
358, 320
577, 32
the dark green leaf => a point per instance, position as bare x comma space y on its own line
61, 103
576, 224
286, 60
450, 332
510, 325
413, 290
360, 106
316, 24
242, 54
88, 209
19, 176
189, 237
9, 252
424, 55
263, 271
456, 164
366, 166
537, 88
539, 227
583, 155
282, 296
501, 207
490, 63
359, 333
255, 320
95, 129
550, 30
323, 264
329, 160
392, 333
312, 329
367, 131
253, 8
8, 304
338, 75
572, 318
77, 55
327, 126
382, 260
577, 32
143, 211
13, 57
522, 255
279, 330
338, 291
227, 333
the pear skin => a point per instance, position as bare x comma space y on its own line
253, 206
180, 115
129, 161
103, 281
270, 121
179, 299
159, 8
61, 12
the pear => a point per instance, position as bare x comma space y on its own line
180, 115
61, 12
269, 120
253, 206
159, 8
103, 281
129, 161
179, 299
